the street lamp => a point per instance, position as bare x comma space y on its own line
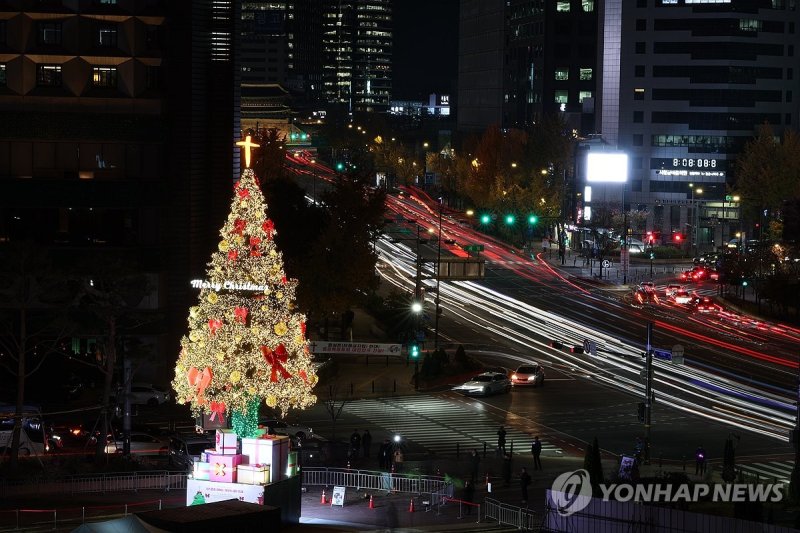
697, 190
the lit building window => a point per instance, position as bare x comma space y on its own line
49, 32
107, 36
585, 74
48, 75
104, 77
583, 95
587, 6
562, 6
562, 74
3, 79
562, 97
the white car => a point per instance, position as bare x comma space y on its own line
146, 394
281, 427
682, 297
532, 375
671, 289
485, 384
141, 444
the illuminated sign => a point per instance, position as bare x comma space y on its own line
607, 167
693, 173
444, 99
228, 285
689, 162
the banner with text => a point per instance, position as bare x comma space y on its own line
365, 348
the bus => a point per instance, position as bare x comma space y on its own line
32, 440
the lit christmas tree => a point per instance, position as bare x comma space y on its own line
245, 342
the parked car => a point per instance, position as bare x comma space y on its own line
185, 450
141, 444
485, 384
282, 427
532, 374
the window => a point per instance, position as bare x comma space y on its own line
585, 74
638, 94
562, 74
639, 71
641, 24
562, 97
791, 50
562, 6
641, 47
749, 25
789, 73
587, 6
49, 32
107, 36
108, 2
583, 95
638, 117
788, 119
3, 79
104, 77
48, 75
638, 139
788, 97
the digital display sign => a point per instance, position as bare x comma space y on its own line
607, 167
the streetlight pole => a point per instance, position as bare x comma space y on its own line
438, 279
697, 220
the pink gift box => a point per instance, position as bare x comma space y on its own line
223, 467
226, 442
269, 450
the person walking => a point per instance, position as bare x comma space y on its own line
507, 469
475, 462
524, 482
501, 440
384, 452
355, 443
700, 461
536, 451
366, 442
398, 460
468, 496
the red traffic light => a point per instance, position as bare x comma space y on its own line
677, 237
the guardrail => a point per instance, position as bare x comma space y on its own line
81, 484
375, 480
519, 517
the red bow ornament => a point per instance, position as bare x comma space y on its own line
276, 359
254, 251
240, 314
200, 380
233, 255
268, 227
283, 280
303, 328
217, 409
238, 226
244, 194
303, 375
214, 325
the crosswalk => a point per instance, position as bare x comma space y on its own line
769, 471
441, 426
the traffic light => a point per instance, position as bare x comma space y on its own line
413, 351
640, 411
652, 255
533, 219
485, 219
650, 238
744, 283
677, 237
340, 166
510, 219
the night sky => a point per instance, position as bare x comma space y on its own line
425, 58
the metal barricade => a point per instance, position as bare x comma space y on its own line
519, 517
98, 483
375, 480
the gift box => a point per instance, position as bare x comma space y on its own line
226, 442
205, 455
202, 471
252, 474
223, 467
270, 450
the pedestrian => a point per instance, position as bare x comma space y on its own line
700, 461
398, 460
507, 469
468, 495
383, 454
366, 441
475, 462
524, 482
536, 451
501, 440
355, 443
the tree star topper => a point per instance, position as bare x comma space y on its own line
247, 144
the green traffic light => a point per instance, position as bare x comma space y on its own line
510, 219
533, 219
485, 219
652, 255
414, 351
744, 283
339, 166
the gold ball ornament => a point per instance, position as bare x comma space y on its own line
279, 295
251, 391
236, 376
265, 308
255, 330
194, 311
313, 379
280, 329
223, 246
194, 335
243, 204
220, 356
238, 338
271, 400
239, 239
273, 253
212, 298
299, 339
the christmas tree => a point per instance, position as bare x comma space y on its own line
246, 344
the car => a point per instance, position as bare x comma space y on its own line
682, 297
645, 292
531, 374
671, 289
141, 444
281, 427
185, 450
147, 394
705, 304
485, 384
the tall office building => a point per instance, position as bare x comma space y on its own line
118, 125
685, 84
357, 47
520, 60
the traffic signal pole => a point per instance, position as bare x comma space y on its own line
648, 391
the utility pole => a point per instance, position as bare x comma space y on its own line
648, 391
438, 280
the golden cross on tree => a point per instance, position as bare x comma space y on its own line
247, 145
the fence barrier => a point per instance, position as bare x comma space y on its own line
510, 515
81, 484
374, 480
464, 504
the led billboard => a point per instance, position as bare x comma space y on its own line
607, 167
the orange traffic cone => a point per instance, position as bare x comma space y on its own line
371, 504
323, 502
411, 506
